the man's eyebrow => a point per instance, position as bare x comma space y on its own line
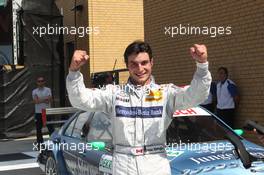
133, 61
139, 61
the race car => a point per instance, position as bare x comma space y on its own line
198, 142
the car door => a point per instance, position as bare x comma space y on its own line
86, 156
65, 138
99, 131
73, 144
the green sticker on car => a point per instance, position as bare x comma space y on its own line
174, 153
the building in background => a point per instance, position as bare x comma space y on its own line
232, 30
38, 38
28, 49
112, 25
240, 50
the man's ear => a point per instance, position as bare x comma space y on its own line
152, 61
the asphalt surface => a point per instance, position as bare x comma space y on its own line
28, 171
18, 157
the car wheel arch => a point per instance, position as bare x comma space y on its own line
51, 167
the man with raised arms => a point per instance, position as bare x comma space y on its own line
139, 119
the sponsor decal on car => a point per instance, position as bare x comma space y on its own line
190, 112
210, 158
257, 154
81, 167
105, 164
174, 153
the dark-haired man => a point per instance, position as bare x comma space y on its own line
139, 119
42, 99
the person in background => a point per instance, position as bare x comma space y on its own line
109, 79
227, 97
102, 79
42, 99
209, 103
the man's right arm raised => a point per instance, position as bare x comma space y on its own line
84, 98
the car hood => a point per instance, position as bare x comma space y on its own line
216, 158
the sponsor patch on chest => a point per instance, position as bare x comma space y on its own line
154, 95
139, 112
122, 99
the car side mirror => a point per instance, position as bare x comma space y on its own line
56, 140
244, 156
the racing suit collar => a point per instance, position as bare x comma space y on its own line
152, 82
139, 90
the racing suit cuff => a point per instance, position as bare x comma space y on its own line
202, 65
74, 75
202, 68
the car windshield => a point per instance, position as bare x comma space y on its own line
195, 129
183, 129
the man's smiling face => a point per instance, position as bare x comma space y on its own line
140, 68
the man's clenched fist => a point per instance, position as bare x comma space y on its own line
199, 53
79, 58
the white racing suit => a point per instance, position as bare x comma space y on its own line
140, 117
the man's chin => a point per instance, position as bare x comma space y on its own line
141, 81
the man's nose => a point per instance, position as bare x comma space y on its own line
140, 67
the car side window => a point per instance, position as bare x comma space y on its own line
100, 128
68, 131
81, 121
